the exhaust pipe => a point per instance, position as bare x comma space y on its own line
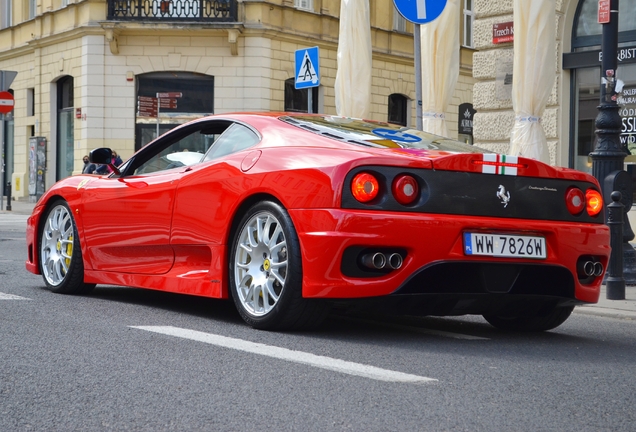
374, 260
589, 268
395, 261
598, 269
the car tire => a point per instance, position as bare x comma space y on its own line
534, 323
60, 257
265, 272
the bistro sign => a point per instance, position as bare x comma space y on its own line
594, 58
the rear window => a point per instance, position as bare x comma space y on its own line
377, 134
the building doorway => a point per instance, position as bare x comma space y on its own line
65, 160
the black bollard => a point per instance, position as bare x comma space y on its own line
614, 282
9, 196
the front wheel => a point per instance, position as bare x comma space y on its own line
60, 253
265, 272
543, 321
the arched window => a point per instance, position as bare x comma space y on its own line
587, 30
398, 112
296, 100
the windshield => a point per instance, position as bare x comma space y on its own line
377, 134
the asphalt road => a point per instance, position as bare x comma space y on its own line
130, 359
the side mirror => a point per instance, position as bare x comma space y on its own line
100, 156
103, 156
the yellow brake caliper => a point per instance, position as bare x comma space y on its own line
69, 251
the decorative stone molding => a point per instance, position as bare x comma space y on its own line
232, 38
111, 37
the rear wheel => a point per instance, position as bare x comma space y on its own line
60, 253
265, 272
541, 321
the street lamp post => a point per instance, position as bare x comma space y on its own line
608, 157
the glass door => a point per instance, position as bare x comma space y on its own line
65, 141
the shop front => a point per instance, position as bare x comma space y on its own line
584, 61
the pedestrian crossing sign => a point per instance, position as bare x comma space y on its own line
307, 68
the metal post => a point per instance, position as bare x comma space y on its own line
608, 157
2, 86
1, 152
9, 196
158, 110
310, 100
615, 282
417, 59
608, 154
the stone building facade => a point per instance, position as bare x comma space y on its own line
84, 66
568, 120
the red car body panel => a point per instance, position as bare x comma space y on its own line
171, 230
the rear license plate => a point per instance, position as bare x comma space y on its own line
502, 245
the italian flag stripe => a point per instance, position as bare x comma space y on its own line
500, 164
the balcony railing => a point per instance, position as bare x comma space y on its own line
173, 10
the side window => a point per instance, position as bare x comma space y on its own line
188, 150
235, 138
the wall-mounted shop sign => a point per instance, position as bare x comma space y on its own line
465, 119
594, 58
503, 32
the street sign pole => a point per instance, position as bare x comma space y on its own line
419, 12
6, 78
2, 157
417, 54
2, 84
307, 72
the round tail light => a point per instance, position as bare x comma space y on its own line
575, 200
365, 187
405, 189
594, 202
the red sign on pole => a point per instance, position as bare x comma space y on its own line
603, 11
6, 102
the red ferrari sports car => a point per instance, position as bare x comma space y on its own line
289, 213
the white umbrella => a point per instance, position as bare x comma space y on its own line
353, 78
533, 74
440, 67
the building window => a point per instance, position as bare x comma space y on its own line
398, 109
469, 18
399, 22
304, 4
30, 106
5, 14
296, 100
197, 100
32, 6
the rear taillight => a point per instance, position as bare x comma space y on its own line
575, 201
594, 202
405, 189
365, 187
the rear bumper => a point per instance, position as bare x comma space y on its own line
435, 263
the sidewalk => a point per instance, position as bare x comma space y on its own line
608, 308
21, 207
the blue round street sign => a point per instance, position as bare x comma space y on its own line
396, 135
420, 11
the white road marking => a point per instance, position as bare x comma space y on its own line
4, 296
322, 362
415, 329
